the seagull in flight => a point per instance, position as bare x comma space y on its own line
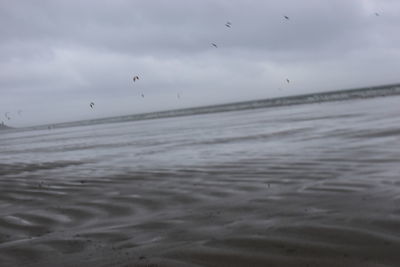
286, 17
287, 80
135, 78
228, 24
214, 45
91, 104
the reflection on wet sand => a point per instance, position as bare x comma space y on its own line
322, 192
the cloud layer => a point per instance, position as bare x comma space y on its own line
58, 56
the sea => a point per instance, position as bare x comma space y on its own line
309, 182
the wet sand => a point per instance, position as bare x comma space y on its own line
332, 203
224, 217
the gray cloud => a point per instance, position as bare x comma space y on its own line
57, 56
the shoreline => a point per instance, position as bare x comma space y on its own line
331, 96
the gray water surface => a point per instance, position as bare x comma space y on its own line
313, 184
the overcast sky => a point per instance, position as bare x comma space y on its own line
58, 56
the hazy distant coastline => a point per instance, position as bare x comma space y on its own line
339, 95
4, 127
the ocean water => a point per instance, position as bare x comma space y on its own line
302, 185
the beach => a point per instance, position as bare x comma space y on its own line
301, 185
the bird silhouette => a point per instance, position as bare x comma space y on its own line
214, 45
286, 17
91, 104
228, 24
135, 78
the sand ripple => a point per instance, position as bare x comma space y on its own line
218, 217
314, 185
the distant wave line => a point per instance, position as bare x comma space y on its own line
338, 95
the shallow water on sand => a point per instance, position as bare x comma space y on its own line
307, 185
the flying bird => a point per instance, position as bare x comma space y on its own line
91, 104
228, 24
286, 17
287, 80
142, 95
214, 45
135, 78
377, 14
